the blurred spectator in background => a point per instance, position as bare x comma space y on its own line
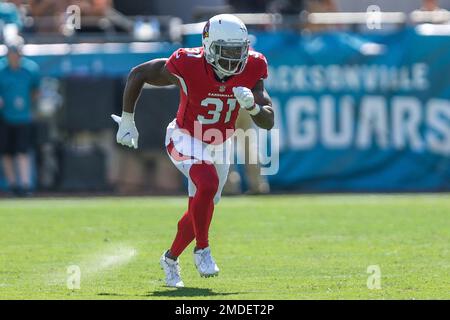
93, 13
249, 6
134, 8
19, 85
10, 20
431, 5
47, 14
50, 15
430, 12
321, 5
313, 6
286, 7
93, 8
9, 14
290, 9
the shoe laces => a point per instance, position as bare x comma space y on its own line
174, 270
207, 259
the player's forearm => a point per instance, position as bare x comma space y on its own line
133, 88
265, 118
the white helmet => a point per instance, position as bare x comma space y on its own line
226, 44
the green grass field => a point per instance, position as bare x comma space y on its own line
274, 247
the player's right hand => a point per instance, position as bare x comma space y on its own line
127, 134
245, 97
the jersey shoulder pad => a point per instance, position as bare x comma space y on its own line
182, 58
189, 52
259, 63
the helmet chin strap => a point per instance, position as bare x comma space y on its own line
219, 74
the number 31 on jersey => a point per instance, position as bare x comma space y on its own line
216, 113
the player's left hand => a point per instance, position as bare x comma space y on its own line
244, 96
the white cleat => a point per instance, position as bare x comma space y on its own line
205, 263
172, 270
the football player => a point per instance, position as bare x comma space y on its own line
215, 81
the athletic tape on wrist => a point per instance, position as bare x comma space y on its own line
127, 116
255, 110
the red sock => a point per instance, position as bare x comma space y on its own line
206, 181
185, 233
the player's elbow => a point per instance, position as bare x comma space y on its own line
269, 123
272, 123
266, 123
135, 74
269, 118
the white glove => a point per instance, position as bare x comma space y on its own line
244, 96
127, 134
